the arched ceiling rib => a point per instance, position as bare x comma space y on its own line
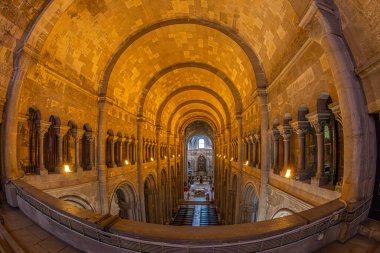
182, 106
176, 75
83, 37
187, 89
182, 124
200, 108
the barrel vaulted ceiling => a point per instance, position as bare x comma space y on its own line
166, 60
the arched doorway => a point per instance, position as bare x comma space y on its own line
150, 199
249, 211
124, 202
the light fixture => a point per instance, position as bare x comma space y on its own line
67, 168
224, 157
165, 157
287, 174
246, 163
179, 155
231, 159
173, 156
126, 162
152, 159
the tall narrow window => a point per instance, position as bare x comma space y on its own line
201, 143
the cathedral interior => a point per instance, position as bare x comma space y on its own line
190, 126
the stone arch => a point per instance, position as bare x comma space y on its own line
77, 201
187, 88
282, 213
249, 211
252, 56
221, 75
200, 102
210, 119
124, 201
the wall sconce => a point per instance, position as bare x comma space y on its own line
164, 157
67, 168
126, 162
231, 159
172, 156
153, 159
246, 163
288, 173
224, 157
179, 155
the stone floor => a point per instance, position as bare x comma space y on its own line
30, 236
358, 244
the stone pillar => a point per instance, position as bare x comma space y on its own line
264, 154
76, 148
239, 188
59, 167
140, 181
300, 128
275, 139
254, 151
318, 120
322, 22
286, 133
41, 133
103, 104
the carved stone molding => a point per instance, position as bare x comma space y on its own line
317, 120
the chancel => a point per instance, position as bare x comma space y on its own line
190, 126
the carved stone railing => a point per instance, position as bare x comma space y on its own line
125, 235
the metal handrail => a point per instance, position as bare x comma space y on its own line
139, 245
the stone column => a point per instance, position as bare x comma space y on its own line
322, 22
161, 208
140, 181
286, 133
264, 154
103, 104
318, 120
239, 188
275, 139
91, 149
300, 128
254, 151
76, 147
41, 133
59, 167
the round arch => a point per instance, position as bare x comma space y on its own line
77, 201
187, 88
249, 211
124, 201
194, 101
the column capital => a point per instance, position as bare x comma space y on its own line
321, 19
300, 127
275, 133
317, 120
335, 109
285, 131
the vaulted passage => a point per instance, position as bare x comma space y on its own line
149, 126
